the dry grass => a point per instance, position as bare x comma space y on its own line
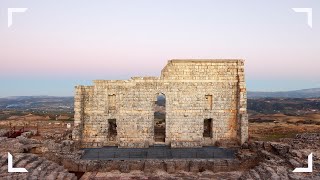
283, 126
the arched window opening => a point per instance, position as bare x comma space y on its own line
160, 118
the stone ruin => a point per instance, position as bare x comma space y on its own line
205, 104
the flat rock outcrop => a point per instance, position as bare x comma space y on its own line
279, 159
38, 168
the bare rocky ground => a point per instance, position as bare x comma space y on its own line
38, 167
277, 160
52, 159
260, 160
273, 152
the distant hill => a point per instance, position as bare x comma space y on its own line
54, 103
288, 106
40, 103
303, 93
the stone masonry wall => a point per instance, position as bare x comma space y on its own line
194, 89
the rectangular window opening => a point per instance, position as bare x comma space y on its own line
112, 129
207, 128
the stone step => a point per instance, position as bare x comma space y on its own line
4, 168
19, 158
52, 175
52, 168
16, 176
34, 165
246, 176
38, 168
3, 161
88, 176
70, 176
254, 174
29, 159
43, 169
61, 175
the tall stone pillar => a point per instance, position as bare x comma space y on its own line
242, 105
78, 113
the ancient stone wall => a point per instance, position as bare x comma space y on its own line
195, 90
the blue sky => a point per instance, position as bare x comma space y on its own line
56, 45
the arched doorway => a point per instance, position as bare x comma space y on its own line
160, 118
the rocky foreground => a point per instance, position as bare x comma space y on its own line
38, 167
49, 159
277, 160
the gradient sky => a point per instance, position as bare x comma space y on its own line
56, 45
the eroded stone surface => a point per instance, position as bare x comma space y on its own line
256, 160
195, 90
37, 167
279, 159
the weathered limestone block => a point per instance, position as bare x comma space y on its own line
182, 165
107, 166
195, 166
153, 166
170, 166
191, 144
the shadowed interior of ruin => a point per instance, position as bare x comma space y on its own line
157, 152
112, 130
207, 128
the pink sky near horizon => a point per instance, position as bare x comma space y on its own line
120, 39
